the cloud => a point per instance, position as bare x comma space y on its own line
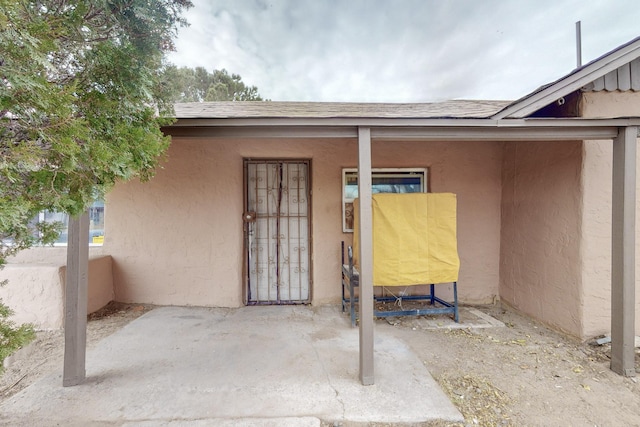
399, 50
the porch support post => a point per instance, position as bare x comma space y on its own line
365, 257
75, 307
623, 252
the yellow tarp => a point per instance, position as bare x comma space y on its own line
414, 239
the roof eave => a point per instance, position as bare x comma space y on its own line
571, 82
531, 129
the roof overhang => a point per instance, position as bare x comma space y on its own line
445, 129
571, 82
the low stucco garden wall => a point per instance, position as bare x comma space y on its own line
35, 291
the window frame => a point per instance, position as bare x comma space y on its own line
94, 240
423, 173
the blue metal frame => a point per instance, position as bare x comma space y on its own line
350, 281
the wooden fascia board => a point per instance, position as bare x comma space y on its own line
503, 130
495, 134
532, 129
535, 129
576, 122
572, 82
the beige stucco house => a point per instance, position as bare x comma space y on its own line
533, 180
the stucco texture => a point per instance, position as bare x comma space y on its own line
178, 239
556, 234
35, 290
596, 235
596, 215
556, 225
541, 228
603, 104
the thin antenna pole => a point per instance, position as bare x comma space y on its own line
578, 45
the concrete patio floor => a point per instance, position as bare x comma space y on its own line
266, 366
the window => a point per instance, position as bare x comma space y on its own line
96, 223
406, 180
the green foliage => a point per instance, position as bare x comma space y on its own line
81, 104
12, 337
186, 84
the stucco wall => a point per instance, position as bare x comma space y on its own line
100, 283
35, 291
605, 104
541, 224
596, 237
597, 171
178, 238
49, 255
556, 231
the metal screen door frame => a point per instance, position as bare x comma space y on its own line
277, 231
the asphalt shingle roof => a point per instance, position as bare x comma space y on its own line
271, 109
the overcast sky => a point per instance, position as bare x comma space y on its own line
400, 50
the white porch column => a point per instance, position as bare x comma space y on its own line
366, 257
623, 252
75, 307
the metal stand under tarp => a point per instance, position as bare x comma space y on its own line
430, 303
414, 242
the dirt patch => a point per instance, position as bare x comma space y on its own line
46, 353
524, 374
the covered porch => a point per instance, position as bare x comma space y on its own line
540, 249
622, 133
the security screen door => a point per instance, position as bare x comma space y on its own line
277, 232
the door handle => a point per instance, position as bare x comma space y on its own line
249, 216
